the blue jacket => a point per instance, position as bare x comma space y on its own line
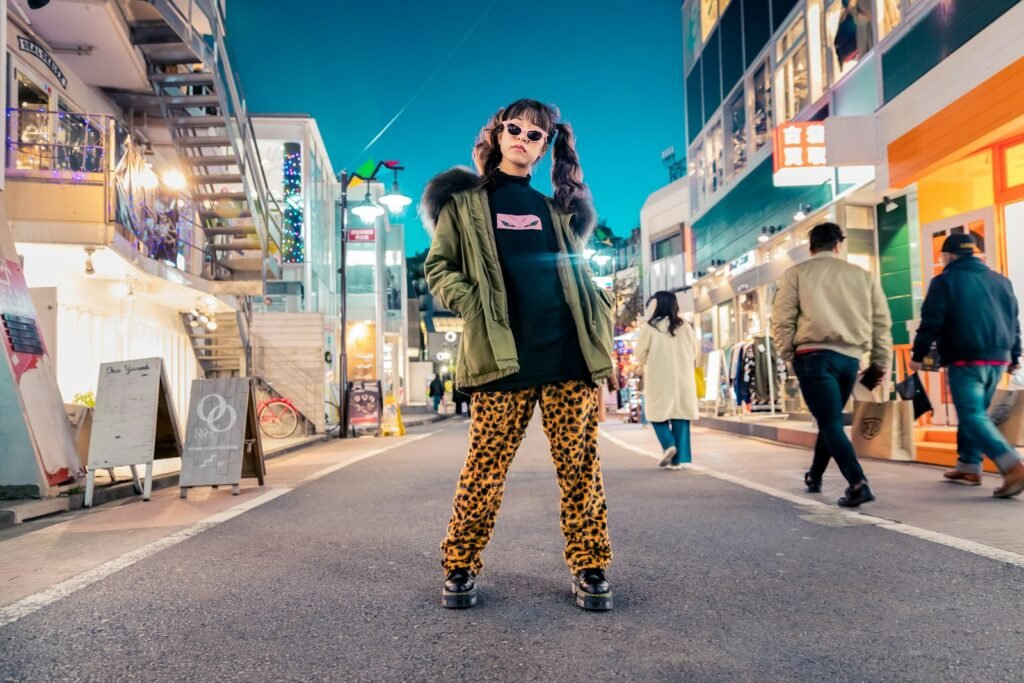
972, 313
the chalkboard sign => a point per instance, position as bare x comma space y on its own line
222, 439
365, 404
134, 421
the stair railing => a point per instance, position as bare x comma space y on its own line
280, 377
182, 16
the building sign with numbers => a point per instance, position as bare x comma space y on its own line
798, 154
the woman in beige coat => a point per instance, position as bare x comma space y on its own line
667, 351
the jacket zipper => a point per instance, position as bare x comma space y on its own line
494, 253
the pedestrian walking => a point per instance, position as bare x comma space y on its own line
460, 399
436, 392
667, 352
827, 315
536, 329
972, 314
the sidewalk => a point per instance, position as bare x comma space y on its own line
910, 493
41, 553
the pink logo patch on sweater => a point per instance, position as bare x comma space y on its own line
510, 222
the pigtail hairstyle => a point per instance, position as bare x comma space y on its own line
566, 174
487, 151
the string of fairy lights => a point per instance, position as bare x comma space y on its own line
293, 247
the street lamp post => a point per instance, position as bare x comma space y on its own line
368, 210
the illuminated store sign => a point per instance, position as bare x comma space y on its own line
798, 154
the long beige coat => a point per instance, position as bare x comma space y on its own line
669, 363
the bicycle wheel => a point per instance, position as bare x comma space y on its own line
278, 420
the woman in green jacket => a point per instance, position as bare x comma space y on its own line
536, 329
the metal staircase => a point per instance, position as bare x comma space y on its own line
205, 113
221, 352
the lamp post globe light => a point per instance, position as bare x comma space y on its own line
368, 212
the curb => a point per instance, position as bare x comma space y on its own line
126, 489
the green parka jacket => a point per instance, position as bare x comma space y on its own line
463, 272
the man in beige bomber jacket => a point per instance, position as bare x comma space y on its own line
827, 315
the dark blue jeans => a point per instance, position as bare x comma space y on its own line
675, 433
827, 380
972, 388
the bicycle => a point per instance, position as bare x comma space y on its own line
278, 417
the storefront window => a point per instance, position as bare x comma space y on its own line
707, 333
726, 324
714, 155
708, 17
889, 16
761, 119
736, 118
792, 77
750, 314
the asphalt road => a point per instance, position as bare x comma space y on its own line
340, 580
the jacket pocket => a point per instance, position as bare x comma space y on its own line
470, 307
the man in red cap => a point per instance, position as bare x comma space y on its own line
971, 313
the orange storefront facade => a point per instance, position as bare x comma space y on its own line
966, 166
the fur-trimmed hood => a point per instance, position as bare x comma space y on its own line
444, 186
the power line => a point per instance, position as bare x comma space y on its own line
423, 87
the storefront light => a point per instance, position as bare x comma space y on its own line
175, 180
211, 325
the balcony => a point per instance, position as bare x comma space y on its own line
78, 179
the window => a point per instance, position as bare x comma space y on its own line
708, 17
849, 33
79, 141
761, 119
888, 16
670, 246
698, 193
691, 34
1013, 166
736, 119
816, 47
714, 156
791, 77
34, 148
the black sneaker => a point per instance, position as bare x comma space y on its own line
592, 590
459, 589
813, 485
856, 497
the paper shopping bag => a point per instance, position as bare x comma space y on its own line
884, 429
1007, 412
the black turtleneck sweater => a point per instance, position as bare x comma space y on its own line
546, 339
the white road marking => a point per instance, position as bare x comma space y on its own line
26, 606
980, 549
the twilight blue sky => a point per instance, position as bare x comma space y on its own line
614, 70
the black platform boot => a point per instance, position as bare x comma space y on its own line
459, 589
592, 590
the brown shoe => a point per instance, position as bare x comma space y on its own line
1013, 482
964, 478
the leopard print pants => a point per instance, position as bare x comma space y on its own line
499, 420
